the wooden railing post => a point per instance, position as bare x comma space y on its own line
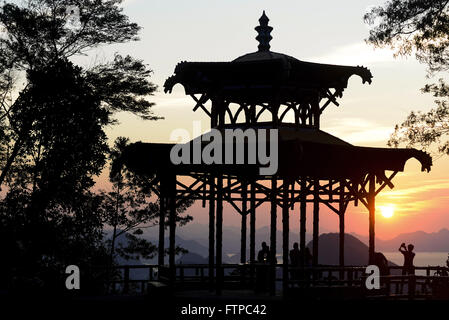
350, 277
126, 279
388, 286
181, 274
411, 286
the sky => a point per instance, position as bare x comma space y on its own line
317, 31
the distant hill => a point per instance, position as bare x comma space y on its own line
192, 258
356, 252
423, 241
231, 237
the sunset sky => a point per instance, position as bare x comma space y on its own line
317, 31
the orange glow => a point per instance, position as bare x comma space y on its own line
387, 211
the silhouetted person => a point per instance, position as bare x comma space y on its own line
263, 258
295, 261
305, 260
264, 254
409, 255
295, 255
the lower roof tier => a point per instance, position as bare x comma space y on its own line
300, 153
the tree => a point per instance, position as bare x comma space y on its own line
52, 139
37, 35
49, 216
420, 26
427, 128
413, 25
129, 208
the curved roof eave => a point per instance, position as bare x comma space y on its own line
296, 159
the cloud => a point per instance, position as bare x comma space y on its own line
359, 131
128, 2
358, 53
426, 186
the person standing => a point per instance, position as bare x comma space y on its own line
263, 257
295, 261
409, 255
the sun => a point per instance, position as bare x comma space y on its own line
386, 211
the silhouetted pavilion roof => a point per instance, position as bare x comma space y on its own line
260, 77
255, 80
254, 77
302, 152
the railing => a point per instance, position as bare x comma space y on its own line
120, 279
431, 281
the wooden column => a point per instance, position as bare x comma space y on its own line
316, 113
161, 245
342, 209
219, 235
243, 228
211, 231
285, 237
273, 235
172, 217
372, 214
252, 227
316, 221
214, 114
302, 220
252, 232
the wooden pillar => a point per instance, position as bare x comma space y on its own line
243, 228
316, 112
214, 114
316, 221
342, 209
219, 235
161, 245
285, 237
221, 113
372, 213
252, 227
172, 217
302, 221
211, 231
273, 230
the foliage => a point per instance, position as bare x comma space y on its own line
49, 217
413, 25
52, 140
420, 26
426, 128
129, 208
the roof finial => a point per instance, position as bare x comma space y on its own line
263, 30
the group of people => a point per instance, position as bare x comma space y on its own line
265, 257
297, 258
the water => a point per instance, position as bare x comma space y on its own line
422, 259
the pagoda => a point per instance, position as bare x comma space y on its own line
268, 90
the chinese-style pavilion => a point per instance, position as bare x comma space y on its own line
265, 89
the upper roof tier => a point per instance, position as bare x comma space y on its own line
262, 75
